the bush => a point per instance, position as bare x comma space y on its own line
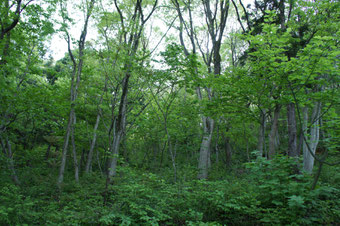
270, 192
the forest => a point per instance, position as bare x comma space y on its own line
169, 112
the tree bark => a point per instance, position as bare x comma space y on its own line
304, 133
228, 151
7, 150
93, 143
203, 163
308, 159
132, 43
262, 131
216, 146
273, 132
118, 129
65, 149
74, 153
292, 134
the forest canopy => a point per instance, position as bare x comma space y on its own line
169, 112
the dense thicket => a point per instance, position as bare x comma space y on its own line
179, 112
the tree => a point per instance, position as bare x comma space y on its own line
131, 32
215, 17
75, 81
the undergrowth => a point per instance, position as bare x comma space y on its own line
268, 192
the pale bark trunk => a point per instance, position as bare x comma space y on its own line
112, 165
273, 132
65, 149
208, 129
292, 134
203, 164
203, 160
308, 160
93, 143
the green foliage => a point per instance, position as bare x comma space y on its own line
15, 207
298, 63
270, 192
285, 194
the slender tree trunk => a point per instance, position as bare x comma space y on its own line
65, 149
74, 153
7, 150
308, 160
292, 134
324, 155
118, 130
93, 143
98, 162
262, 130
216, 145
162, 155
47, 154
228, 151
75, 81
172, 152
11, 163
304, 133
273, 132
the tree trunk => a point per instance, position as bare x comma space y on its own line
292, 134
273, 132
11, 163
112, 161
75, 81
47, 154
98, 162
93, 143
65, 149
172, 152
118, 130
203, 163
308, 159
304, 133
262, 131
216, 145
7, 150
228, 151
74, 153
